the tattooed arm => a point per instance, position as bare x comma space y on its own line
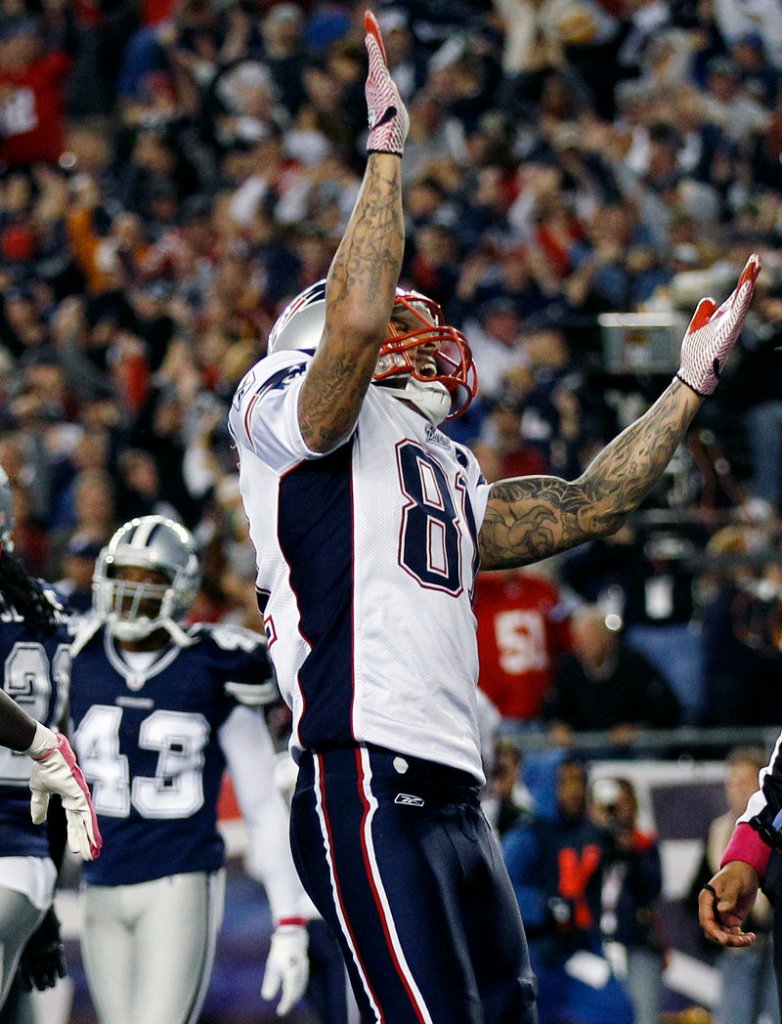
362, 279
359, 295
532, 517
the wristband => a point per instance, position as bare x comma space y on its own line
44, 741
747, 846
292, 922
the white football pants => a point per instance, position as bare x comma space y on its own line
18, 920
149, 948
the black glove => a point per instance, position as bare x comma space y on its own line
43, 958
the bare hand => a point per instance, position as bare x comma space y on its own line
725, 903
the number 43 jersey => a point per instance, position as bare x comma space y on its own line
366, 563
149, 740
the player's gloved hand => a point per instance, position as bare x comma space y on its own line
43, 958
287, 967
388, 119
56, 771
714, 331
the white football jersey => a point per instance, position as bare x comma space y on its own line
366, 563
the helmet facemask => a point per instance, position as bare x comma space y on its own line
133, 609
442, 392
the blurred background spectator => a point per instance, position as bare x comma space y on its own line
632, 884
555, 862
506, 799
78, 564
605, 685
522, 630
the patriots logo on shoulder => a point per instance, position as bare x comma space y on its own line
291, 375
282, 378
276, 382
244, 386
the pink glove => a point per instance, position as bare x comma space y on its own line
56, 771
713, 332
388, 120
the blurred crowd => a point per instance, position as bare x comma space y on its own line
596, 891
173, 171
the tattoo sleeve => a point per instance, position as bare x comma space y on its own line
530, 518
360, 291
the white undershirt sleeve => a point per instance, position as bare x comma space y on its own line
248, 750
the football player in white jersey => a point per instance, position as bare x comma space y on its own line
369, 524
159, 710
35, 653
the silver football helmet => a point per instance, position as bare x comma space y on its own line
445, 395
133, 610
6, 512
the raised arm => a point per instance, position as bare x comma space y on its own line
362, 279
530, 518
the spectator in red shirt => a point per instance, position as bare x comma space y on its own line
522, 629
31, 95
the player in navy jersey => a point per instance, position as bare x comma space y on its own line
369, 524
159, 710
35, 653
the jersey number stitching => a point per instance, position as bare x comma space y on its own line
175, 791
27, 677
430, 537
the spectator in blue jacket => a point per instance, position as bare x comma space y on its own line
555, 863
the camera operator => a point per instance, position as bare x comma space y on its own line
631, 884
554, 859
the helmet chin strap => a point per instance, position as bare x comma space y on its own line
141, 629
432, 399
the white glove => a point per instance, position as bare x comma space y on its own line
287, 967
713, 332
56, 771
388, 119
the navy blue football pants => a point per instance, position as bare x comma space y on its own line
398, 858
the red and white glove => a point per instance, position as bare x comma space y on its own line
713, 332
388, 119
56, 771
287, 967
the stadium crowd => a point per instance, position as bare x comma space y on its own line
174, 172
